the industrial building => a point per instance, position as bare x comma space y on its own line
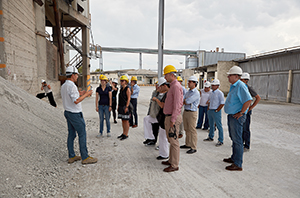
29, 53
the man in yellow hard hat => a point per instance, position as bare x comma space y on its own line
135, 90
172, 110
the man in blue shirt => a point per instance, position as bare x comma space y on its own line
135, 90
191, 101
215, 105
236, 106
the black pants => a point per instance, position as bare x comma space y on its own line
50, 98
134, 113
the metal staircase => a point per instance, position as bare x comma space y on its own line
69, 35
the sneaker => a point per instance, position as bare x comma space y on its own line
73, 159
120, 136
151, 143
208, 139
161, 158
124, 137
146, 141
89, 160
99, 135
157, 148
108, 135
219, 143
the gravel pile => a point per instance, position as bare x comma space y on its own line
33, 146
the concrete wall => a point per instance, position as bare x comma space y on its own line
20, 43
221, 74
29, 57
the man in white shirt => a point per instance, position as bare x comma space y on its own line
71, 99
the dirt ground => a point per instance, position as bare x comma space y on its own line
130, 169
34, 156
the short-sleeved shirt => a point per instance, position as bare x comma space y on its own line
216, 98
204, 97
69, 94
104, 95
237, 96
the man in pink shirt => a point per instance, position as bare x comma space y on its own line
172, 110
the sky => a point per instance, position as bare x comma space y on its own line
248, 26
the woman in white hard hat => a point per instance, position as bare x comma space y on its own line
103, 104
48, 93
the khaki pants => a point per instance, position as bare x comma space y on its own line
189, 122
174, 143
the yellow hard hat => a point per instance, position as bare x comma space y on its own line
124, 77
133, 78
169, 69
179, 79
102, 77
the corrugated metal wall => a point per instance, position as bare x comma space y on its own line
269, 76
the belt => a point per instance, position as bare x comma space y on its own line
189, 110
168, 115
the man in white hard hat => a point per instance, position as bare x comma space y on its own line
172, 110
48, 93
215, 105
114, 88
204, 94
246, 128
236, 106
191, 102
71, 99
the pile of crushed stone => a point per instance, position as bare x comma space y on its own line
33, 150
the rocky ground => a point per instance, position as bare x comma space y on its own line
34, 156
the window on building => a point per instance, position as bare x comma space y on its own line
139, 78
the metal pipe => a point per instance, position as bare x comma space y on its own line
160, 37
290, 87
59, 36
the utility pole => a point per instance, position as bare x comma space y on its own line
161, 37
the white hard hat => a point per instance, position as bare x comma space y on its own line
193, 78
115, 81
43, 81
71, 70
215, 82
245, 76
161, 81
235, 70
207, 84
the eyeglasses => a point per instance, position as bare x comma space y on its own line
122, 80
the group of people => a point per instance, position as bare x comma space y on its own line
165, 113
176, 106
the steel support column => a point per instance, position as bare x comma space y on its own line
161, 38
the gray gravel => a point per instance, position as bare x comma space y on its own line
34, 155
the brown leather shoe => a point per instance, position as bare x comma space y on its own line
166, 163
228, 160
134, 126
180, 136
233, 167
171, 169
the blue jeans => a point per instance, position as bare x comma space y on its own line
215, 117
246, 130
75, 123
103, 111
202, 111
134, 112
235, 128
